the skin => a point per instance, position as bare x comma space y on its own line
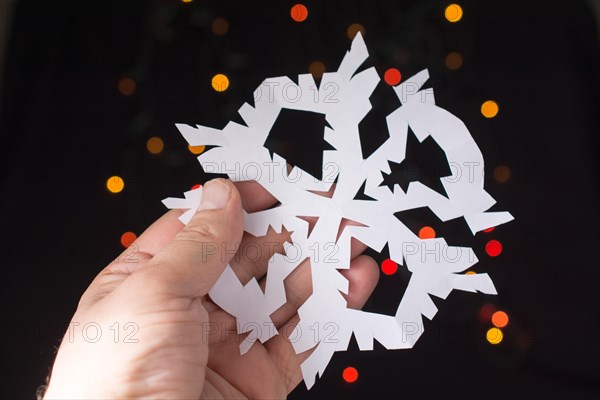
182, 345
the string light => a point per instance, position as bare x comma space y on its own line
493, 248
426, 232
128, 238
299, 13
350, 374
220, 26
453, 61
494, 335
500, 319
502, 174
354, 29
220, 82
389, 267
392, 76
317, 69
115, 184
196, 149
489, 109
155, 145
453, 12
126, 86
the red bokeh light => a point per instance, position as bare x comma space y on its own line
392, 77
389, 267
350, 374
493, 248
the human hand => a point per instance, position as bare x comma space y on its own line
153, 315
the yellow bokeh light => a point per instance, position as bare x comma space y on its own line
494, 335
454, 61
489, 109
354, 29
155, 145
470, 273
453, 13
196, 149
186, 1
220, 82
317, 69
115, 184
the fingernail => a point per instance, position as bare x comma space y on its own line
215, 195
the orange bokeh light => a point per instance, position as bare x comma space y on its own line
128, 238
126, 86
500, 319
426, 232
299, 13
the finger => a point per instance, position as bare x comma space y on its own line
254, 254
252, 260
150, 242
363, 276
252, 373
193, 261
254, 196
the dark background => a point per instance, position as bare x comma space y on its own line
65, 128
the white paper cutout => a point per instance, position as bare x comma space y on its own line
343, 97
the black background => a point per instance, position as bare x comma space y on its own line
65, 128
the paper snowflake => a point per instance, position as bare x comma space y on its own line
326, 324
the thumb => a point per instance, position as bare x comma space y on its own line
193, 261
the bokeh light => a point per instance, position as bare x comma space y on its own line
196, 149
155, 145
299, 13
220, 82
350, 374
196, 186
426, 232
392, 77
220, 26
454, 61
470, 273
500, 319
502, 174
389, 267
489, 109
126, 86
453, 12
317, 69
186, 1
128, 238
493, 248
354, 29
494, 335
115, 184
486, 311
488, 230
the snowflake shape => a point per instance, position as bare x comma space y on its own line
343, 98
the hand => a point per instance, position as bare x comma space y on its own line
161, 302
